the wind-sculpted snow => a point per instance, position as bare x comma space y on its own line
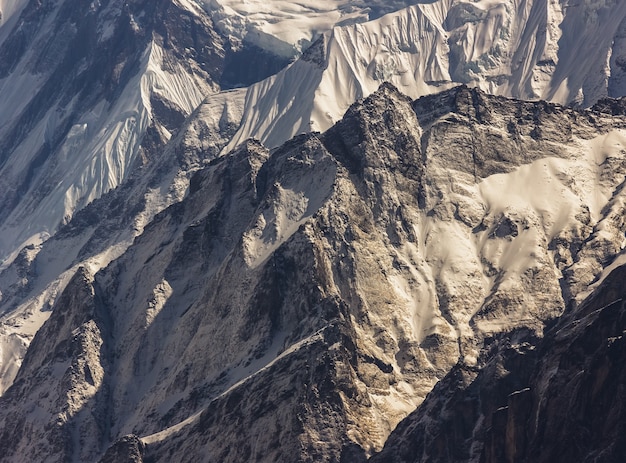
565, 52
87, 94
289, 27
298, 303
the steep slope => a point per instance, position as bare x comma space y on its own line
299, 303
569, 52
89, 92
560, 398
106, 227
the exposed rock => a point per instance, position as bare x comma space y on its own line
128, 449
559, 398
297, 304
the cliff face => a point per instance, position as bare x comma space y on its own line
559, 398
299, 303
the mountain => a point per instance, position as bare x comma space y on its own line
100, 107
298, 303
568, 52
343, 283
559, 398
90, 92
92, 98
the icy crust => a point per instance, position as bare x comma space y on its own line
297, 304
527, 50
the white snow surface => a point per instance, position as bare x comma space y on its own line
98, 152
549, 50
10, 8
287, 27
10, 11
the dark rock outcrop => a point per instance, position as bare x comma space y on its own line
555, 399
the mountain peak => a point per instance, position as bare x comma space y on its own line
333, 264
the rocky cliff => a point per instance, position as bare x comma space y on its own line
299, 303
558, 398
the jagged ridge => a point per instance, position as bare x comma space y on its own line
335, 279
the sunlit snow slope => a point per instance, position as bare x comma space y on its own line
562, 51
289, 27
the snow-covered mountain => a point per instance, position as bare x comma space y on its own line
76, 120
92, 110
203, 296
89, 91
565, 52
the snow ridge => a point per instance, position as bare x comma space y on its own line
527, 50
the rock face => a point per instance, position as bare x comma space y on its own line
297, 304
559, 398
129, 449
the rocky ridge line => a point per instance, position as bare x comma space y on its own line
333, 280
